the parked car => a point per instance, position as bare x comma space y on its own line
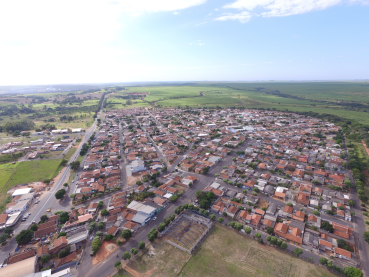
48, 210
363, 209
154, 218
91, 238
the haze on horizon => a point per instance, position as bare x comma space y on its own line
104, 41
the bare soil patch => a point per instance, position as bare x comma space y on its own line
106, 249
131, 180
262, 204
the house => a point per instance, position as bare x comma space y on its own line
255, 220
342, 253
287, 211
58, 244
92, 207
66, 259
137, 166
300, 216
325, 245
231, 211
314, 221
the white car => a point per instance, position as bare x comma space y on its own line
154, 218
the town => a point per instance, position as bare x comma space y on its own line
172, 174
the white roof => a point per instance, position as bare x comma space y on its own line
21, 191
146, 209
215, 185
168, 195
139, 218
281, 189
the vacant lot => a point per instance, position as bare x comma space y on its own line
226, 253
34, 171
159, 259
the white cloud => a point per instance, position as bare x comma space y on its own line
175, 13
275, 8
243, 17
202, 23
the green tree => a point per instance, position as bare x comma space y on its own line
327, 226
24, 237
96, 244
126, 255
366, 236
284, 245
117, 265
60, 193
172, 217
100, 204
248, 230
323, 261
63, 253
104, 212
351, 271
62, 234
34, 227
161, 227
75, 165
63, 217
45, 258
8, 230
213, 217
99, 233
257, 235
134, 251
126, 234
269, 230
44, 218
100, 225
297, 251
3, 237
141, 245
220, 220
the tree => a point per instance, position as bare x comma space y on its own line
63, 253
45, 258
126, 255
104, 212
315, 212
297, 251
366, 236
117, 265
63, 217
24, 237
141, 245
269, 230
351, 203
8, 230
3, 237
62, 234
60, 193
205, 170
248, 230
238, 226
126, 234
269, 238
213, 217
75, 165
289, 204
220, 220
327, 226
351, 271
44, 218
99, 233
95, 246
138, 183
134, 251
109, 237
172, 217
284, 245
100, 204
100, 225
47, 181
118, 242
34, 227
257, 235
323, 261
161, 227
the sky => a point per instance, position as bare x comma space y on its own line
100, 41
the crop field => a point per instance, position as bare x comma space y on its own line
349, 100
34, 171
226, 253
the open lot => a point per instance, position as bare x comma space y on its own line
226, 253
34, 171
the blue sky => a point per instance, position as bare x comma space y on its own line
80, 41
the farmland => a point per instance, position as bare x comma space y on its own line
349, 100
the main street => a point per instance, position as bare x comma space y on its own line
47, 200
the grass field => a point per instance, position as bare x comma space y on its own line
226, 253
34, 171
320, 97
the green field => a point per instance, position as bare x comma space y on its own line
348, 100
34, 171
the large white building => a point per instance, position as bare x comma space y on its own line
137, 166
